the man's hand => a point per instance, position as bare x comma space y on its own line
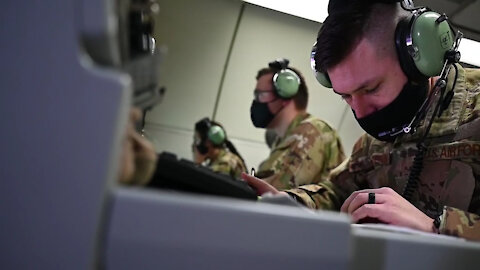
389, 208
145, 159
260, 186
138, 161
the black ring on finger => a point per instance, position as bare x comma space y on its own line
371, 198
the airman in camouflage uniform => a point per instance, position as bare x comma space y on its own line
305, 155
228, 163
212, 148
305, 148
450, 179
359, 51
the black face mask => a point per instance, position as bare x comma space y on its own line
396, 115
260, 114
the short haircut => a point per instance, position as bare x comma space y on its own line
344, 29
301, 98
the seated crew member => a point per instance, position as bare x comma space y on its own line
138, 160
428, 179
212, 148
306, 148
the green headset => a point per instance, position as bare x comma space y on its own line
207, 130
286, 82
422, 40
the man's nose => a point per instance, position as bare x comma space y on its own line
360, 106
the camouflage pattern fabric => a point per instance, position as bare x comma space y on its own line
460, 223
306, 154
450, 179
227, 163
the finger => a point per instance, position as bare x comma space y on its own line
140, 141
349, 200
362, 198
135, 114
258, 184
376, 211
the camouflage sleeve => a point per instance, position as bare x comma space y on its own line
238, 168
229, 164
460, 223
343, 180
329, 194
317, 196
305, 157
221, 167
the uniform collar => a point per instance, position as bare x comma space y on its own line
295, 123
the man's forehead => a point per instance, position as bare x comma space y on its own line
266, 76
357, 70
347, 81
355, 87
265, 82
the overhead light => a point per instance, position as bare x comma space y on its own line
469, 50
317, 10
314, 10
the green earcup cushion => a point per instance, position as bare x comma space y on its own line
286, 83
216, 135
323, 79
430, 42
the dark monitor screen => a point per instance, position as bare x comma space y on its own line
184, 175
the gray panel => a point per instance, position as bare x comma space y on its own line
58, 138
157, 230
264, 35
198, 35
376, 249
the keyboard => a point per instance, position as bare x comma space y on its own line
184, 175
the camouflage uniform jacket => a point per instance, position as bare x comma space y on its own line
450, 180
228, 163
305, 155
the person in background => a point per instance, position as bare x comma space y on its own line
306, 148
418, 166
212, 149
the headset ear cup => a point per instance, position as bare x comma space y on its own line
421, 44
432, 40
323, 79
402, 33
286, 83
216, 135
